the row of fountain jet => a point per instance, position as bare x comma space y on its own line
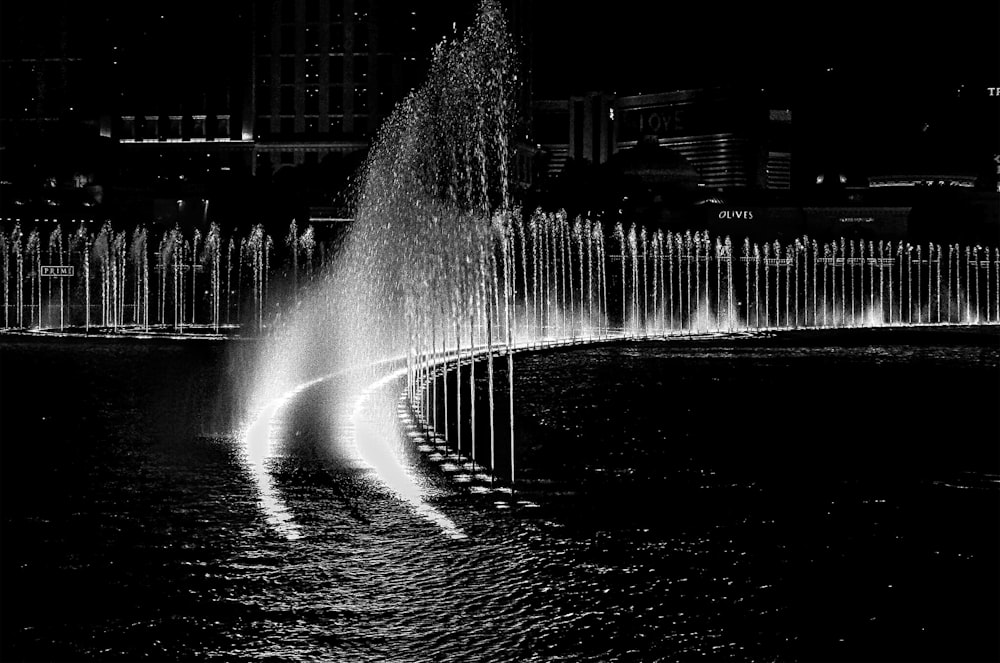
667, 282
551, 280
136, 280
566, 278
441, 271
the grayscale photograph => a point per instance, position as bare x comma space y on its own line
499, 331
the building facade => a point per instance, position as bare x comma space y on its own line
327, 73
732, 137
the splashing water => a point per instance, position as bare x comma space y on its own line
431, 205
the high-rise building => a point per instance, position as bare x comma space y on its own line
726, 134
46, 75
184, 94
328, 72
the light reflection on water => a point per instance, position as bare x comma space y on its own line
670, 553
256, 441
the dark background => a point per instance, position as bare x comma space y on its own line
876, 82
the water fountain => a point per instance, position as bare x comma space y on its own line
552, 274
444, 278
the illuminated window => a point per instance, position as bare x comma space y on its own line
312, 100
312, 70
361, 100
174, 126
312, 39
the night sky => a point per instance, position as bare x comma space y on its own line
653, 46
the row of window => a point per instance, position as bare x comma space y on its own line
339, 39
312, 127
175, 127
311, 9
335, 94
309, 68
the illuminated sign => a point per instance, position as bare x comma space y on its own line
739, 214
662, 121
57, 270
857, 219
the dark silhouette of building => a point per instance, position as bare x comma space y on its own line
725, 159
327, 74
182, 103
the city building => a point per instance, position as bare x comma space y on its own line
186, 102
725, 159
326, 74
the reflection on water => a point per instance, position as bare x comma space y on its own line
719, 502
256, 441
371, 435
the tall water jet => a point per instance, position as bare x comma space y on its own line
140, 273
34, 251
428, 206
81, 243
292, 244
102, 253
5, 266
212, 256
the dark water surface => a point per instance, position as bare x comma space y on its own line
803, 499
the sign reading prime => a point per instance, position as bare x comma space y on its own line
857, 219
57, 270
